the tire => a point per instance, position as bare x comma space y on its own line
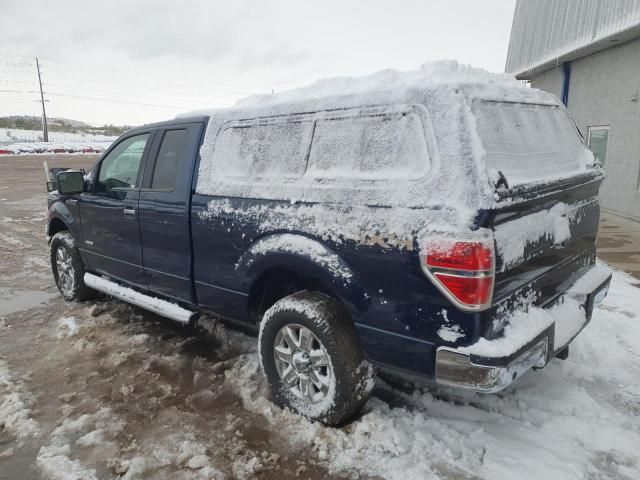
320, 371
68, 271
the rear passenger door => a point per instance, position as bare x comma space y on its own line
164, 207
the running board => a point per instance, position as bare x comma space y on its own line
153, 304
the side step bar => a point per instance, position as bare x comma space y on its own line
153, 304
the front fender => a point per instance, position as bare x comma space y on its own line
307, 257
59, 211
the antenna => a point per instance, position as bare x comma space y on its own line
45, 130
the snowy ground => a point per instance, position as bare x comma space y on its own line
29, 141
12, 135
102, 390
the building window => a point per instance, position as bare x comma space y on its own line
597, 140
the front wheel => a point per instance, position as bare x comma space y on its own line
312, 359
68, 271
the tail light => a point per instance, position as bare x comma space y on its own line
464, 270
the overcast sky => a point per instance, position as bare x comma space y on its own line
139, 61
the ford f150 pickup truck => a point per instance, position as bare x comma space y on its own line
434, 230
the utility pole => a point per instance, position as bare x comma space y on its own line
45, 130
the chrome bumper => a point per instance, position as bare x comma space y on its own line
458, 369
491, 375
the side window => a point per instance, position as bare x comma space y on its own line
597, 140
375, 147
121, 166
168, 161
275, 150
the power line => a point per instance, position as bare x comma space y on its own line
18, 91
92, 77
182, 97
183, 85
168, 77
80, 81
102, 99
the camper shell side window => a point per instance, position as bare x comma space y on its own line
277, 157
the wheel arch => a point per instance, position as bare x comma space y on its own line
60, 218
54, 226
278, 265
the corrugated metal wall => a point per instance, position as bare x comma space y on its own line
544, 32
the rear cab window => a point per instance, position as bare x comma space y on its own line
168, 160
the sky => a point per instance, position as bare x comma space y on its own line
133, 62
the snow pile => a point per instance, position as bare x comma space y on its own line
97, 429
572, 420
439, 72
389, 442
95, 439
67, 327
177, 449
55, 463
14, 407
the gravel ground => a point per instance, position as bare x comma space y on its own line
103, 390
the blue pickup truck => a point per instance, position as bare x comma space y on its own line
439, 231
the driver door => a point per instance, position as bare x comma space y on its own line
109, 212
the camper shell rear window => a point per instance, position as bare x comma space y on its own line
529, 143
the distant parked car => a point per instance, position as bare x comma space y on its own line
56, 148
39, 147
23, 147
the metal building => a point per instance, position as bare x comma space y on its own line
587, 52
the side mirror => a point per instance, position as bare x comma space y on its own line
70, 182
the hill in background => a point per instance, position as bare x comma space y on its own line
27, 122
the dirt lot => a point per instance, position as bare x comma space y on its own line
104, 390
136, 382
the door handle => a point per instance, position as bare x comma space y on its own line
129, 211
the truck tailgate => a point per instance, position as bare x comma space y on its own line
549, 239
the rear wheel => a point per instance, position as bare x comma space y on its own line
67, 268
312, 359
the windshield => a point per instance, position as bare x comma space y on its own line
529, 143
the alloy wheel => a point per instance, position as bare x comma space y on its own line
65, 271
303, 364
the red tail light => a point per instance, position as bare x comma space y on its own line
462, 269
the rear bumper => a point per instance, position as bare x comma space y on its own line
474, 368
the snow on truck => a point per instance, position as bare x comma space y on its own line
439, 223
